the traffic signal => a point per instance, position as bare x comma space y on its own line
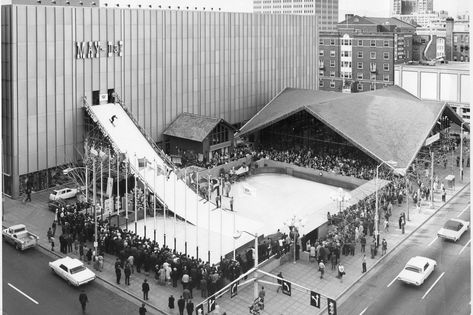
331, 306
315, 299
286, 287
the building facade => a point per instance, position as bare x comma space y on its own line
325, 10
411, 6
444, 82
361, 55
160, 62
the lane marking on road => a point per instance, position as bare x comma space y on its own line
363, 311
463, 211
438, 279
461, 251
391, 282
15, 288
433, 241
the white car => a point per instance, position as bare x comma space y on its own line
417, 270
453, 229
72, 270
64, 193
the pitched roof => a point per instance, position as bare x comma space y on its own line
388, 124
193, 127
356, 19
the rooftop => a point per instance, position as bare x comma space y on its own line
451, 65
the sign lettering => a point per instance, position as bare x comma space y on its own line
93, 49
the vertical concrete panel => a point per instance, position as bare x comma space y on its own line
448, 87
465, 89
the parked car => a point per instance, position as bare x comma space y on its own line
64, 193
18, 236
72, 270
417, 270
453, 229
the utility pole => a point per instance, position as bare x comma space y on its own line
432, 181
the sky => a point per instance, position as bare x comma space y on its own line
360, 7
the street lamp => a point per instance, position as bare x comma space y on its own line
340, 198
296, 224
237, 235
461, 151
376, 215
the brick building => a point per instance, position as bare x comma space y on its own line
361, 54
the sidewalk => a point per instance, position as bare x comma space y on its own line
38, 219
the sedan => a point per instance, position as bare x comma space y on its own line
72, 270
417, 270
453, 229
64, 193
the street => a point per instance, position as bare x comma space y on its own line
446, 291
29, 287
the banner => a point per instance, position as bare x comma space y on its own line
109, 187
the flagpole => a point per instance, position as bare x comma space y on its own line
164, 200
118, 190
145, 201
136, 198
154, 199
175, 209
208, 223
221, 218
126, 191
234, 231
101, 187
185, 211
197, 217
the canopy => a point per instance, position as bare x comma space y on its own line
388, 124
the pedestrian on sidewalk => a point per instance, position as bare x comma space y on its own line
142, 310
49, 234
363, 264
145, 289
333, 260
321, 269
28, 194
203, 287
89, 256
384, 246
54, 227
131, 260
171, 302
386, 225
190, 307
341, 272
83, 299
403, 224
100, 262
261, 295
363, 242
81, 252
52, 244
127, 273
418, 207
181, 305
373, 249
279, 275
444, 194
118, 273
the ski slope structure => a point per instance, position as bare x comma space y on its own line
127, 138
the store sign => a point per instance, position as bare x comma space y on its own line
89, 50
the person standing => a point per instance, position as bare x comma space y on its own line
321, 269
28, 194
83, 299
231, 203
118, 273
363, 242
171, 302
363, 264
341, 272
279, 281
54, 227
261, 295
145, 289
384, 246
49, 234
127, 273
181, 305
142, 309
190, 307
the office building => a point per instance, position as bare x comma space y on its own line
325, 10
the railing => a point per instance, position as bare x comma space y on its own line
158, 150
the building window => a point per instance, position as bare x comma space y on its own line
359, 75
332, 53
359, 65
372, 54
360, 54
332, 74
360, 87
373, 43
373, 76
385, 43
386, 66
386, 55
332, 84
321, 83
332, 42
321, 41
332, 63
386, 78
360, 42
321, 73
321, 52
372, 86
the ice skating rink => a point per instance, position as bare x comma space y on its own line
269, 199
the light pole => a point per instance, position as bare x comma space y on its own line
376, 215
237, 235
296, 224
461, 151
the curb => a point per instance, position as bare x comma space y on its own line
58, 255
393, 248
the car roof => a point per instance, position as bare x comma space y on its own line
17, 226
418, 261
70, 262
457, 220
